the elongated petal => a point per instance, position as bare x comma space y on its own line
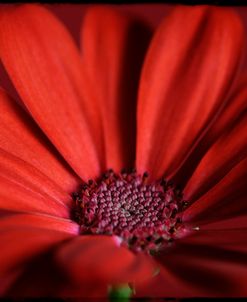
222, 156
40, 221
112, 59
99, 258
226, 199
32, 262
164, 284
20, 137
238, 223
15, 197
187, 73
42, 278
231, 114
201, 265
45, 67
24, 188
229, 234
206, 265
22, 244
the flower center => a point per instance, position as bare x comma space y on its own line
145, 216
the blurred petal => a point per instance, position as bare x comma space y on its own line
37, 275
45, 67
113, 60
95, 291
42, 278
164, 284
188, 70
7, 280
20, 244
207, 267
99, 258
39, 278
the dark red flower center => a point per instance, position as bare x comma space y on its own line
145, 216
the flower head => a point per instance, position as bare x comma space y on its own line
73, 223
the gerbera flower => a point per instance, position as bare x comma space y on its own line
73, 223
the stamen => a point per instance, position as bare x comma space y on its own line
146, 216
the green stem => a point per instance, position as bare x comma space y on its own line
120, 293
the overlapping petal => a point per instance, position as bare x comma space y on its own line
112, 59
100, 258
226, 199
45, 67
188, 71
174, 115
211, 261
20, 137
222, 156
21, 243
24, 188
46, 280
208, 270
235, 107
224, 233
45, 222
37, 267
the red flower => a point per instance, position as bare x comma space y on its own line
121, 227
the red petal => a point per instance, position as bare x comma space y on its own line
20, 137
238, 223
7, 280
223, 155
39, 278
21, 244
45, 67
93, 291
207, 270
113, 59
39, 221
38, 275
99, 258
228, 234
42, 278
165, 284
24, 188
226, 120
212, 262
188, 71
226, 199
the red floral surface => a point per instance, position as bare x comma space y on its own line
191, 126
